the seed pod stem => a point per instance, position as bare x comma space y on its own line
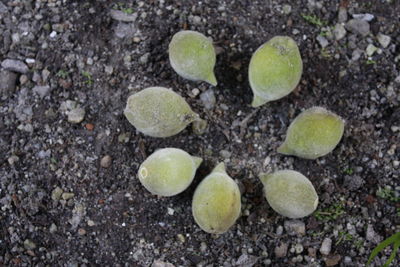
220, 168
197, 161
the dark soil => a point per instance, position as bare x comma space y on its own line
86, 56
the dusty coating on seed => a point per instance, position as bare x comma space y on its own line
216, 202
192, 56
168, 171
290, 193
158, 112
314, 133
275, 70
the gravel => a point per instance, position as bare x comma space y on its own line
326, 246
295, 227
383, 39
358, 26
15, 65
7, 82
70, 189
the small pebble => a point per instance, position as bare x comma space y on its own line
339, 31
358, 26
295, 227
29, 244
15, 65
76, 115
67, 196
56, 193
81, 231
106, 161
326, 246
371, 49
281, 250
208, 99
384, 40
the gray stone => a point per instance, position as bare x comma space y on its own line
295, 227
7, 81
42, 91
358, 26
281, 250
356, 54
287, 9
105, 161
15, 65
383, 39
342, 15
53, 228
298, 248
145, 58
246, 260
365, 17
371, 235
225, 154
56, 193
122, 16
326, 246
339, 31
67, 196
124, 30
208, 99
158, 263
353, 183
76, 115
3, 8
322, 41
29, 244
371, 49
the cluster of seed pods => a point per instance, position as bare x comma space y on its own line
275, 70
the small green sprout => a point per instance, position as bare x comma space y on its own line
313, 20
344, 236
330, 213
388, 194
62, 74
121, 6
370, 62
348, 171
88, 76
393, 239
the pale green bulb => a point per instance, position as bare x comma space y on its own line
216, 202
314, 133
192, 56
168, 171
290, 193
159, 112
275, 70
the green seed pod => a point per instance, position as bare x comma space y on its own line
216, 202
275, 70
290, 193
314, 133
159, 112
168, 171
192, 56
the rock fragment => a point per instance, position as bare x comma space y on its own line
358, 26
15, 65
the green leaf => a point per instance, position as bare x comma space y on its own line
393, 254
395, 238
